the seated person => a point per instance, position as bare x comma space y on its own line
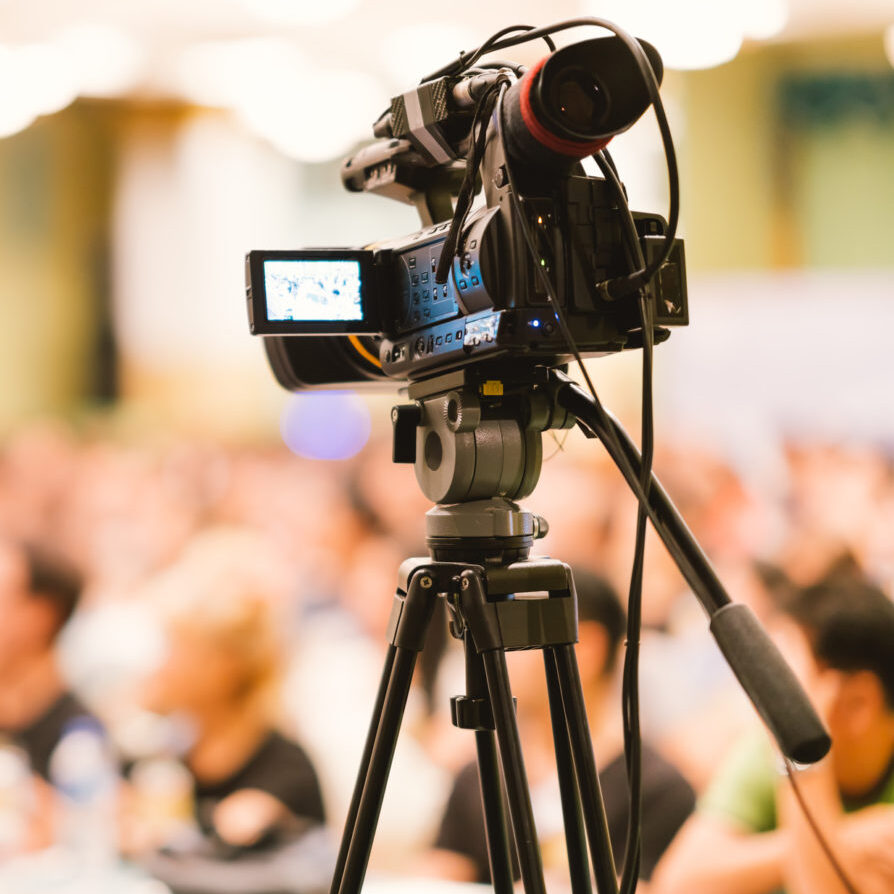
460, 851
39, 592
749, 835
254, 788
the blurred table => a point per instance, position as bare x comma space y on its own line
403, 885
60, 871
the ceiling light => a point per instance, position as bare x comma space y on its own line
310, 125
763, 19
280, 95
689, 34
300, 12
410, 52
34, 81
105, 61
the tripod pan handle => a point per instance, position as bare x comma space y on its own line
770, 684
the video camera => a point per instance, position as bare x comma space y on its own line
550, 264
479, 311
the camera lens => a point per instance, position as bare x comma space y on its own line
575, 100
580, 101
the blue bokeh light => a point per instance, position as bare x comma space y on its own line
325, 425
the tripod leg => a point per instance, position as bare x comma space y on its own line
362, 772
498, 852
358, 845
585, 767
499, 855
516, 781
411, 615
575, 839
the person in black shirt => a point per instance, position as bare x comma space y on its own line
279, 768
460, 850
253, 787
39, 592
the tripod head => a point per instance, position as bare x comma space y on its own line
474, 437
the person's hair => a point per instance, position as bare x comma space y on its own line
598, 602
53, 580
850, 626
224, 588
775, 582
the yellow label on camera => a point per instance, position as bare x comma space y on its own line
492, 388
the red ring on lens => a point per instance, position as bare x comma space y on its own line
559, 145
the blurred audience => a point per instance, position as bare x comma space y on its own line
750, 836
275, 578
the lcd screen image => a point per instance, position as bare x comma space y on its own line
313, 290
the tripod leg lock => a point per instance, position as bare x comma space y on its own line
471, 713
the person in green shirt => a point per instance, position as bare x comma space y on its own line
749, 836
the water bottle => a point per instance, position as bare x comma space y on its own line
16, 799
84, 773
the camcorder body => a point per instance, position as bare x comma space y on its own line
394, 311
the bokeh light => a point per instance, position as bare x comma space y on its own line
694, 34
281, 95
299, 12
329, 425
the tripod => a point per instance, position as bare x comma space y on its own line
499, 599
476, 446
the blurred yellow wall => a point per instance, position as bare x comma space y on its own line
757, 194
55, 188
